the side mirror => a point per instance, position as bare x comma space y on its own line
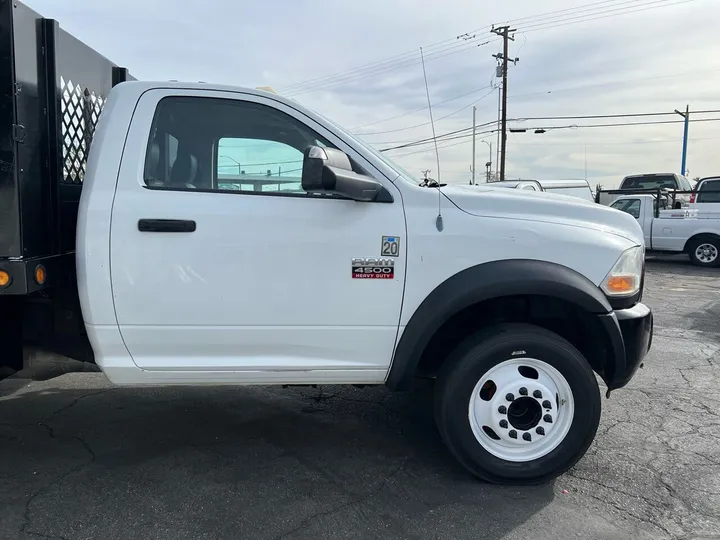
328, 170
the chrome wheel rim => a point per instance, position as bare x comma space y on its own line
706, 253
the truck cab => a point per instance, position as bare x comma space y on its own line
229, 235
674, 230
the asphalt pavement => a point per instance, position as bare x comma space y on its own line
81, 459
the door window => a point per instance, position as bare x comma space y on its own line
684, 184
215, 144
630, 206
258, 165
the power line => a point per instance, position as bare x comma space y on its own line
534, 23
595, 116
258, 164
439, 44
652, 123
625, 11
462, 133
613, 83
439, 137
440, 146
426, 123
447, 51
613, 143
421, 108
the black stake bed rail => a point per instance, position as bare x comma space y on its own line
52, 91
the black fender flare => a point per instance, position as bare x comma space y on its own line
494, 280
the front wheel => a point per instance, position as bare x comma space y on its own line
517, 404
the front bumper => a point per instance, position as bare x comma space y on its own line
630, 332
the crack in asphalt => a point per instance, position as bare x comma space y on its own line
355, 502
26, 519
77, 400
55, 413
26, 523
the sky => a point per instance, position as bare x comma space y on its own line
358, 63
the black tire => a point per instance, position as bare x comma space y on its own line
695, 243
476, 356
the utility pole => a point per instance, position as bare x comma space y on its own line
472, 181
504, 32
497, 146
686, 116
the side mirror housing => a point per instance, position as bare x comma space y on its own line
328, 170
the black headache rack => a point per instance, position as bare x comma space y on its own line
52, 90
668, 197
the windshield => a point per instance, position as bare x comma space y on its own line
653, 181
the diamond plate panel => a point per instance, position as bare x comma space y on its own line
79, 111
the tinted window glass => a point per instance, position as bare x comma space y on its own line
709, 191
650, 182
227, 145
631, 206
258, 165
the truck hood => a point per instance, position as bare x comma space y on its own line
489, 201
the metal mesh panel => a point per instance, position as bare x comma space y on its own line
80, 110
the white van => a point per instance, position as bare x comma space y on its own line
573, 188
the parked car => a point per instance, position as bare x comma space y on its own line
674, 230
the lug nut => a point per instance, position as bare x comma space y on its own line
502, 409
523, 391
510, 397
548, 418
537, 394
512, 434
527, 437
540, 430
503, 424
547, 404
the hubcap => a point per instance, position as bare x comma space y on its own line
706, 253
521, 409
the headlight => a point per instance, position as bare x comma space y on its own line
625, 277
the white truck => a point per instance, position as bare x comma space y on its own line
674, 231
350, 274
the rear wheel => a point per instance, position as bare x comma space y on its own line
705, 251
517, 404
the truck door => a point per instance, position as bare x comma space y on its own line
221, 263
635, 208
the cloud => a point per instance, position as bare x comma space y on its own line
653, 60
